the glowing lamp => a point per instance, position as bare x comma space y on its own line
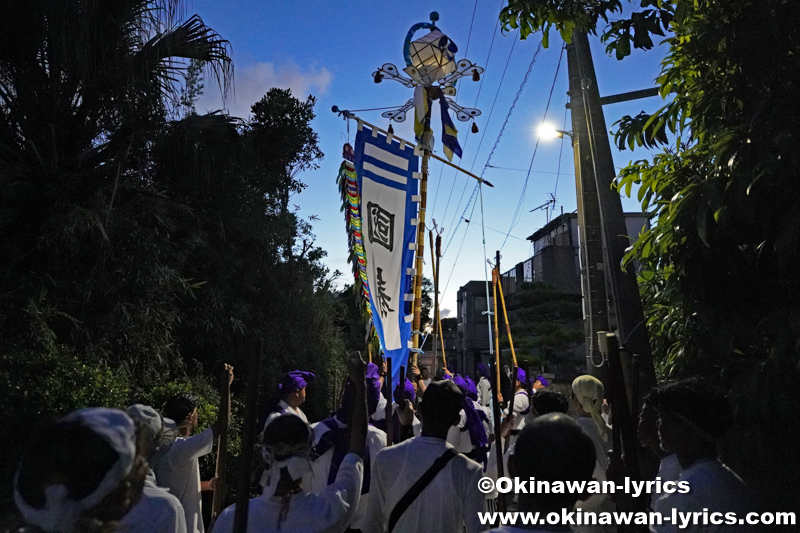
432, 58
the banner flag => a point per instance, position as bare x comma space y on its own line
388, 182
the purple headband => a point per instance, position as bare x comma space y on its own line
460, 383
483, 370
408, 392
521, 376
373, 383
471, 389
295, 380
543, 381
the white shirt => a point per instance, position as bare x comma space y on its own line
449, 503
669, 469
596, 502
157, 511
329, 511
287, 410
715, 487
484, 391
458, 436
179, 471
521, 403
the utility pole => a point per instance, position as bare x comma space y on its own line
611, 294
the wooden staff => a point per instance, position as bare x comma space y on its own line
248, 441
496, 329
435, 300
505, 316
437, 262
498, 437
389, 413
218, 502
441, 337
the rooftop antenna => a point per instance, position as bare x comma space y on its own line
546, 206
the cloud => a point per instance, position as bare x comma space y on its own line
252, 82
444, 313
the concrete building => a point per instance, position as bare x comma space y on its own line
555, 262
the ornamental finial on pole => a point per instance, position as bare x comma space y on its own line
432, 72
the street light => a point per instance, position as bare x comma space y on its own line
548, 131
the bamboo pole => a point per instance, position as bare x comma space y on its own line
437, 262
496, 413
423, 191
351, 116
218, 502
496, 329
435, 301
505, 316
441, 336
389, 412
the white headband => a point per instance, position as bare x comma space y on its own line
60, 512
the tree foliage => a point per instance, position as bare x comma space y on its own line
545, 324
144, 244
720, 283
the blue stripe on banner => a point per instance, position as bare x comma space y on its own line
383, 171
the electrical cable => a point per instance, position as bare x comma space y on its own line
500, 135
561, 151
486, 274
517, 212
485, 127
458, 86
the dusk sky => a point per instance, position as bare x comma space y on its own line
329, 49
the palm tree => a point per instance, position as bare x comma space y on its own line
84, 89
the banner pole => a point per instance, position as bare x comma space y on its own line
351, 116
423, 191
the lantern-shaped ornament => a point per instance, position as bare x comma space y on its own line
432, 58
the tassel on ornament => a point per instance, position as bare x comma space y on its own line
378, 77
391, 129
476, 76
474, 127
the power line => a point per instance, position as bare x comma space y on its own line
561, 151
505, 123
458, 86
486, 125
526, 169
518, 211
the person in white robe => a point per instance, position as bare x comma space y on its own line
289, 506
516, 413
330, 442
451, 501
669, 468
587, 399
178, 468
550, 448
694, 416
157, 511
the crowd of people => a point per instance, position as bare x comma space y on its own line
136, 471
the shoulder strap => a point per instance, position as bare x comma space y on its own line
415, 490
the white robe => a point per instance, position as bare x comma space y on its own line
179, 471
669, 469
715, 487
157, 511
330, 511
448, 504
597, 502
